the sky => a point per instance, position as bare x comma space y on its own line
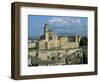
59, 24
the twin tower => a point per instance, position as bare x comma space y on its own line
52, 41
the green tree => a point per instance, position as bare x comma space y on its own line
84, 41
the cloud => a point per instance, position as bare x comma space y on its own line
69, 24
64, 21
56, 21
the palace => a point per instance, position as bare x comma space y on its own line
50, 40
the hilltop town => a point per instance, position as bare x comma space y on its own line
51, 49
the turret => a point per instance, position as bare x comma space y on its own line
77, 38
46, 32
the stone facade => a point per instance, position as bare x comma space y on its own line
50, 40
